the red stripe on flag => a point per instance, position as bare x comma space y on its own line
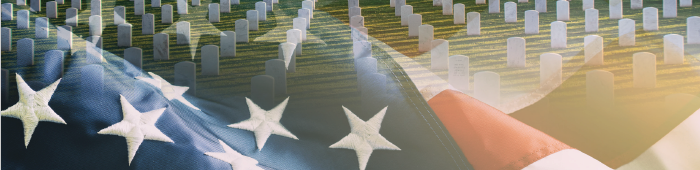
489, 138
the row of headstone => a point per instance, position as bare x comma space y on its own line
300, 24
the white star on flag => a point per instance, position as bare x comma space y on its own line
264, 123
237, 160
364, 136
136, 127
33, 107
170, 91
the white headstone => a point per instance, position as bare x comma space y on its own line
670, 8
550, 69
460, 15
355, 3
397, 10
161, 46
686, 3
242, 30
96, 7
562, 10
276, 68
93, 50
35, 6
73, 4
51, 10
358, 34
494, 6
261, 7
437, 2
425, 38
210, 60
7, 13
119, 15
225, 6
593, 50
72, 17
6, 39
558, 34
589, 4
644, 70
148, 24
252, 17
183, 32
626, 32
693, 29
196, 2
355, 11
305, 13
447, 7
458, 72
227, 42
269, 5
41, 27
405, 12
307, 4
615, 7
166, 14
511, 12
541, 6
480, 1
139, 7
22, 19
365, 66
674, 50
591, 20
532, 22
300, 24
357, 21
155, 3
25, 52
487, 88
95, 23
516, 52
414, 21
473, 23
294, 36
186, 75
600, 89
636, 4
361, 49
235, 2
124, 35
214, 12
182, 6
287, 53
134, 55
440, 53
651, 19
